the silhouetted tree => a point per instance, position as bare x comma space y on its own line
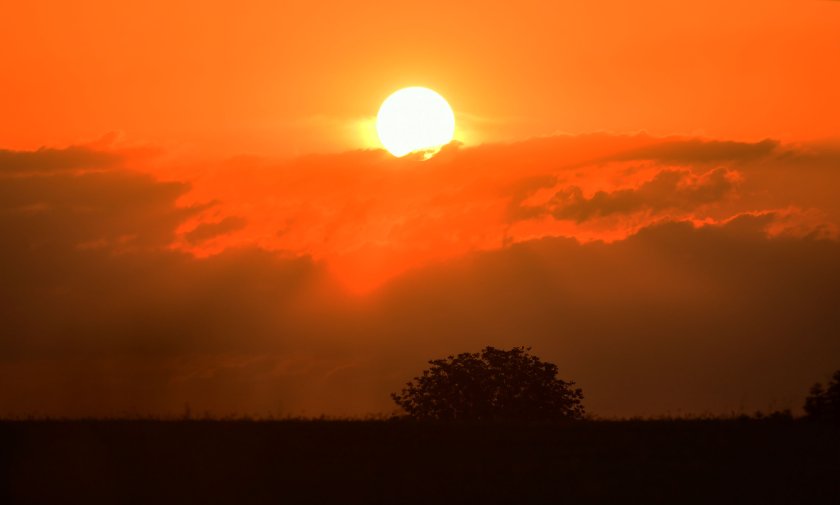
824, 403
493, 384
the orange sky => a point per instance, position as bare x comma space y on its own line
294, 77
194, 206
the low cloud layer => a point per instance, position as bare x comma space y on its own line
664, 275
668, 190
47, 160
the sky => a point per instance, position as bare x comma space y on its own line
195, 208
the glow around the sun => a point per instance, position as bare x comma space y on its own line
414, 119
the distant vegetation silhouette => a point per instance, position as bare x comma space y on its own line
493, 384
824, 402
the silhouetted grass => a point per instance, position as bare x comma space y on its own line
711, 461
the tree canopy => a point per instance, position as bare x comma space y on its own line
824, 402
493, 384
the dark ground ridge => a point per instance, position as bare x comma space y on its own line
713, 461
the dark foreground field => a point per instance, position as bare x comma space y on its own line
370, 462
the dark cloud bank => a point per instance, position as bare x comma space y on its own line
101, 317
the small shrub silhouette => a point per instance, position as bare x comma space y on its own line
493, 384
824, 402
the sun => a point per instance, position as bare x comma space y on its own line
414, 119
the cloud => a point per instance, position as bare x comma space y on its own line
65, 210
668, 190
681, 288
206, 231
46, 160
702, 151
371, 217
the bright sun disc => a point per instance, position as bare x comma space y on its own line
414, 119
